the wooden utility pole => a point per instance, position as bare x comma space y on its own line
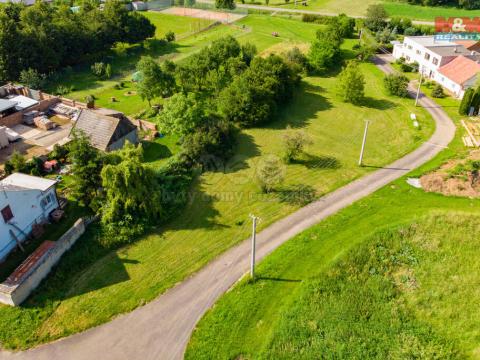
360, 160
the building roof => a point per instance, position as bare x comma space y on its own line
23, 102
449, 50
101, 129
460, 70
19, 181
6, 104
468, 44
429, 41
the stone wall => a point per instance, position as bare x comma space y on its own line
15, 293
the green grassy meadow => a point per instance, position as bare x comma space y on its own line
92, 284
394, 8
392, 276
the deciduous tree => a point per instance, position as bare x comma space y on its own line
351, 83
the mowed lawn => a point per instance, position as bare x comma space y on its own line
394, 8
77, 297
392, 276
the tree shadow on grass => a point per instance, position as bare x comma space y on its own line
154, 151
298, 195
246, 149
318, 162
304, 106
88, 266
379, 104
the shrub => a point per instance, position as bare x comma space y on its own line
170, 36
90, 101
63, 90
411, 31
16, 163
59, 152
297, 59
294, 143
437, 92
32, 79
396, 85
98, 69
108, 71
270, 173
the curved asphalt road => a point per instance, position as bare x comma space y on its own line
161, 329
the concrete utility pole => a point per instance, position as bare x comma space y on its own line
363, 143
418, 90
254, 235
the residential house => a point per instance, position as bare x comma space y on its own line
25, 200
458, 75
433, 55
107, 129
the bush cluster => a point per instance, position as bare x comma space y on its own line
396, 85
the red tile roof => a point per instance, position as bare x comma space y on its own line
460, 70
30, 262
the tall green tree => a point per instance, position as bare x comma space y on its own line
86, 167
466, 101
376, 17
325, 50
351, 83
181, 114
132, 195
154, 82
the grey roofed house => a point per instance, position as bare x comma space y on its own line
6, 104
106, 133
450, 50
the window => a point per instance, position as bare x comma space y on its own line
407, 58
409, 47
435, 61
427, 56
46, 201
419, 52
7, 213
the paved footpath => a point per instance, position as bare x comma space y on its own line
161, 329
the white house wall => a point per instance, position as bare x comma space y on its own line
412, 52
26, 209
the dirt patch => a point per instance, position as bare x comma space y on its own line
224, 17
455, 178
